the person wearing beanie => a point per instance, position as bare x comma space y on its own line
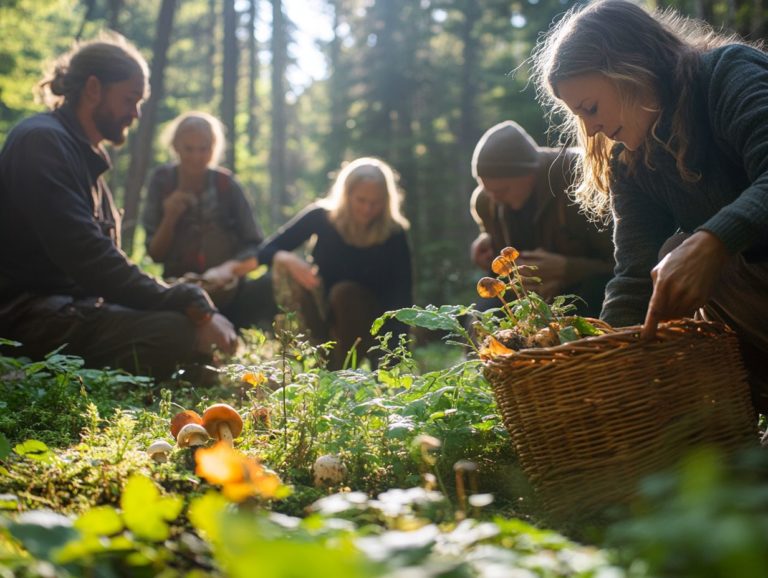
522, 201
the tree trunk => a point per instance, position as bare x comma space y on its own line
209, 90
278, 192
253, 76
115, 7
229, 80
468, 131
141, 144
336, 141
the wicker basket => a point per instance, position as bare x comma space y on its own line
589, 419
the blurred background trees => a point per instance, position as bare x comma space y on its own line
415, 82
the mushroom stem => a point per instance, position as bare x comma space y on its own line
225, 434
461, 492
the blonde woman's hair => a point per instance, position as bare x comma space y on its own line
199, 122
642, 53
109, 57
368, 170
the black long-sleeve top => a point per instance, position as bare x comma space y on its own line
385, 268
58, 226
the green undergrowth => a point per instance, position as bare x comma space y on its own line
431, 485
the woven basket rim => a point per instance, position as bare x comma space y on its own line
622, 336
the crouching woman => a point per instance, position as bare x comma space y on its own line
360, 261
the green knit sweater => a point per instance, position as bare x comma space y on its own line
729, 149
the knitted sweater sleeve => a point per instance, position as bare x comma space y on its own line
640, 227
737, 97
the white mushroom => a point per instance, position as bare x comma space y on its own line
159, 451
192, 435
329, 471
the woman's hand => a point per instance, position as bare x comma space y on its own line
301, 271
223, 275
177, 203
684, 280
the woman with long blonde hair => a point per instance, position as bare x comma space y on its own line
360, 259
673, 121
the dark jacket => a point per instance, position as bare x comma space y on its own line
385, 268
58, 226
729, 138
550, 221
218, 228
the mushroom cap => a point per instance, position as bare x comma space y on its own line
189, 431
221, 412
183, 418
465, 466
329, 469
159, 448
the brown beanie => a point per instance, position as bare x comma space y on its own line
505, 150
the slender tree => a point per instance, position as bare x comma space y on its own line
338, 87
253, 76
229, 80
115, 8
277, 155
210, 68
141, 145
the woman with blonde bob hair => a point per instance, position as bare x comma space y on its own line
673, 121
360, 262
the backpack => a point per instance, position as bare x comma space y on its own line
195, 259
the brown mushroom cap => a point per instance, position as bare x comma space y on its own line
183, 418
221, 412
190, 431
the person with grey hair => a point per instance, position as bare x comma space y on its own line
200, 225
522, 201
65, 281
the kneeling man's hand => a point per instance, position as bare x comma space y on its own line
219, 333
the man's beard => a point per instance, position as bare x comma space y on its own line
111, 129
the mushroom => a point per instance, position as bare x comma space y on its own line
460, 468
159, 450
329, 471
183, 418
223, 422
192, 435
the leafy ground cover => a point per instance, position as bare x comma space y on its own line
430, 485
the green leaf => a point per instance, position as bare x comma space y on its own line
42, 531
584, 327
206, 513
100, 521
34, 450
568, 334
9, 502
145, 512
